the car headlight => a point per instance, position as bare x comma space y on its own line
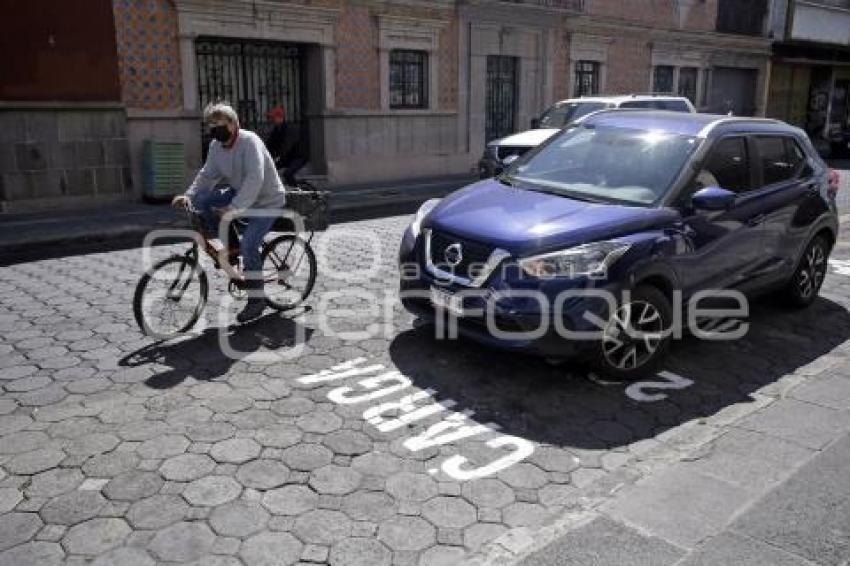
423, 211
592, 259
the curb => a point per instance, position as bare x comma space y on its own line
77, 235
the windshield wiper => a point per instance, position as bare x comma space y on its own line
565, 194
505, 180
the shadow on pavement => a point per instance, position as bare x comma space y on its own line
560, 406
202, 357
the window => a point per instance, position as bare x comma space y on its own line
675, 105
560, 115
672, 105
408, 79
747, 18
781, 159
640, 104
727, 166
688, 83
587, 78
501, 97
662, 80
622, 165
796, 157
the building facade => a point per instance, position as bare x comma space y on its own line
810, 76
63, 126
387, 90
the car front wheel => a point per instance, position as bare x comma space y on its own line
803, 288
636, 338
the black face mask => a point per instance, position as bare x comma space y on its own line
220, 133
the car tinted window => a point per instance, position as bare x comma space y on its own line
796, 156
728, 164
560, 115
639, 104
776, 162
675, 105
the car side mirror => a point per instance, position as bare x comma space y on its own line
535, 123
506, 162
713, 198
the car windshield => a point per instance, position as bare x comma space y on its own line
560, 115
606, 164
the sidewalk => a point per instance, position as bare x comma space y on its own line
774, 489
39, 235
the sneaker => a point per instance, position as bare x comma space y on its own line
253, 309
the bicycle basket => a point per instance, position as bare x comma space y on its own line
312, 206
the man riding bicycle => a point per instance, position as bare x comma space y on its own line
240, 159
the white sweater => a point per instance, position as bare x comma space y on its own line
247, 167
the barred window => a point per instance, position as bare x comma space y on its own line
663, 79
408, 79
688, 83
587, 78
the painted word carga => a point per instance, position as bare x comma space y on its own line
376, 384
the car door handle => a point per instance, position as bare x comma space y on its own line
756, 220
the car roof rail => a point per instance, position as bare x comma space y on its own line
738, 120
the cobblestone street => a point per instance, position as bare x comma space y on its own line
130, 452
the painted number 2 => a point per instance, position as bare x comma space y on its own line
642, 390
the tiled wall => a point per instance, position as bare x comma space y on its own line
148, 53
561, 69
448, 66
629, 64
357, 67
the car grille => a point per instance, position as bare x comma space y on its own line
507, 151
474, 255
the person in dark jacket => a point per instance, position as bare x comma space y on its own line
286, 145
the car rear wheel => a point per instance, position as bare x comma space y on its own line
636, 338
803, 288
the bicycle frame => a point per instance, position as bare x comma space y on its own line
193, 260
193, 253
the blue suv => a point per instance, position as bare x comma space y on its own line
600, 243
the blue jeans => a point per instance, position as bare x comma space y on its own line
253, 232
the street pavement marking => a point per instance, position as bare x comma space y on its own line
415, 407
673, 381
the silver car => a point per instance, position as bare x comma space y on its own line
501, 152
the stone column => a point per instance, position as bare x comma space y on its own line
190, 73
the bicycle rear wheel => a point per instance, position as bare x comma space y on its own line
170, 297
289, 271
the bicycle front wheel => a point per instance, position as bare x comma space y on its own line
289, 271
170, 297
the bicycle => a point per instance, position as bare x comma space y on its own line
185, 287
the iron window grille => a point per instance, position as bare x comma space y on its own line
501, 96
662, 80
408, 79
587, 78
254, 76
688, 83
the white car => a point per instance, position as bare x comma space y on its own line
501, 152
